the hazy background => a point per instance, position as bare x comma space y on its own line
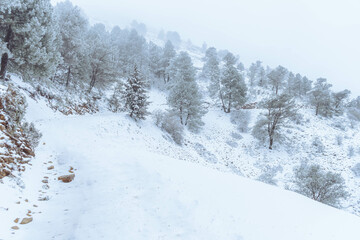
316, 38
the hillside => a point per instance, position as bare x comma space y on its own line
109, 132
121, 191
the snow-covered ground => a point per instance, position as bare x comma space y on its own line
132, 183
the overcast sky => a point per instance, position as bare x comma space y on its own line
316, 38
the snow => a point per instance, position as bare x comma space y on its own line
131, 183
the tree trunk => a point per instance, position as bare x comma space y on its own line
5, 56
271, 143
92, 82
181, 118
68, 77
4, 63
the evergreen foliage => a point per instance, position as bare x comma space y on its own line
135, 95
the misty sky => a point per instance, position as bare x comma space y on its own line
317, 38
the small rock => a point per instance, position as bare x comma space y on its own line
45, 181
15, 227
26, 220
67, 178
28, 151
46, 198
18, 202
26, 200
35, 205
51, 167
16, 220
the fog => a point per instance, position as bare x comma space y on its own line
314, 38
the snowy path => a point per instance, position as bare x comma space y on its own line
124, 191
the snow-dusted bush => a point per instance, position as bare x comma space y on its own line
351, 151
268, 177
32, 134
339, 125
356, 170
339, 140
14, 105
115, 101
353, 114
315, 183
317, 143
170, 124
241, 118
236, 136
232, 144
269, 173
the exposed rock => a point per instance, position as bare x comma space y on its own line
67, 178
51, 167
28, 151
45, 181
16, 220
15, 227
26, 220
46, 198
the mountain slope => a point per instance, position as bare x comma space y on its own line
128, 187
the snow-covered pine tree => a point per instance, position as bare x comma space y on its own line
135, 52
277, 77
30, 33
233, 90
211, 71
254, 72
73, 26
291, 84
279, 110
135, 95
168, 55
184, 97
99, 56
306, 86
339, 99
320, 98
155, 54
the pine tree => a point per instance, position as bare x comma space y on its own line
277, 78
155, 54
135, 95
30, 33
168, 55
339, 99
320, 98
279, 110
100, 62
211, 71
254, 73
184, 97
73, 27
232, 92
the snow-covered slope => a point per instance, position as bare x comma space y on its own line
132, 183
